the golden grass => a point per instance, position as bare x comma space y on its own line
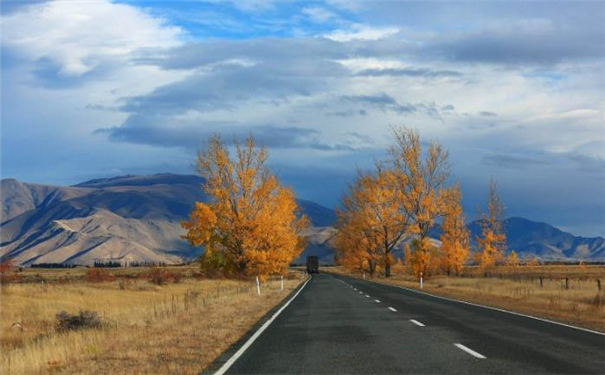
519, 290
170, 329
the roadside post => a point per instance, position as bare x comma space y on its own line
420, 279
282, 283
257, 285
364, 275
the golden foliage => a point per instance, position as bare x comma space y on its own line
421, 185
455, 236
492, 241
512, 260
250, 226
370, 222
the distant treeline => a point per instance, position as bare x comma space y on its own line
54, 265
100, 264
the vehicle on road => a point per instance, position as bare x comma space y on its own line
312, 264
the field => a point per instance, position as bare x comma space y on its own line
178, 327
569, 294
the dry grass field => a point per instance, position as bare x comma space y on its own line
518, 289
175, 328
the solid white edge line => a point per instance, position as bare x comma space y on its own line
392, 309
256, 334
470, 351
491, 308
377, 300
416, 322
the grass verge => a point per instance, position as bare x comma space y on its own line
176, 328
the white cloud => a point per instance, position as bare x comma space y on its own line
78, 37
361, 32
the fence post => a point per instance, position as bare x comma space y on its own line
257, 285
599, 285
541, 282
567, 283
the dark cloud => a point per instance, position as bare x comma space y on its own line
146, 131
225, 87
409, 72
526, 42
513, 161
348, 113
487, 114
588, 163
385, 102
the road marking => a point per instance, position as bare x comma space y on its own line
367, 296
377, 300
256, 334
491, 308
470, 351
417, 322
360, 292
392, 309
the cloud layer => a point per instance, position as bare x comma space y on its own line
515, 91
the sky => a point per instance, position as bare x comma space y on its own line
515, 91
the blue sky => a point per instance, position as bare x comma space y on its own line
515, 91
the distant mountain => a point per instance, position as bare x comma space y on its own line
530, 238
124, 218
137, 218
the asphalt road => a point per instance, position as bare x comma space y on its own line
340, 325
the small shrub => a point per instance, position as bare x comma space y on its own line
7, 274
176, 277
158, 276
84, 319
97, 275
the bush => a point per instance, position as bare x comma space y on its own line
7, 274
85, 319
97, 275
160, 276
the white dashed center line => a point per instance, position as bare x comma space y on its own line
417, 323
367, 296
470, 351
392, 309
377, 300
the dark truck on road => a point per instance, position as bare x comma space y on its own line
312, 264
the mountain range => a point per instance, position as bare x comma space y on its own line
137, 219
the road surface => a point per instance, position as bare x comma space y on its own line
340, 325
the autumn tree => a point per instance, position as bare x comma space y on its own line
491, 243
512, 260
420, 184
250, 225
354, 250
370, 212
455, 236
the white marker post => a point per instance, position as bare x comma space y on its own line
282, 283
257, 285
420, 280
364, 275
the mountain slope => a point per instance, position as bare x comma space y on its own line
531, 238
125, 218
